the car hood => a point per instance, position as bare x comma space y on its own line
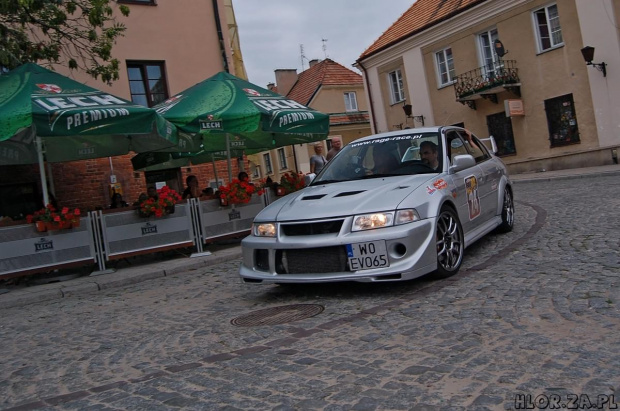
344, 198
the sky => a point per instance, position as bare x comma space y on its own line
271, 32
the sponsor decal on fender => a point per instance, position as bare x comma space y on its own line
440, 184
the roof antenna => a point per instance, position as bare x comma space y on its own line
324, 47
301, 51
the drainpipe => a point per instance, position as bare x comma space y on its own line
220, 35
372, 112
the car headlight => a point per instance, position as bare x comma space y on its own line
384, 219
372, 221
264, 229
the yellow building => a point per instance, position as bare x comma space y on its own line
513, 69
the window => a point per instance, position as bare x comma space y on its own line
350, 101
267, 160
397, 92
500, 127
445, 66
282, 158
548, 30
475, 147
490, 60
562, 121
147, 83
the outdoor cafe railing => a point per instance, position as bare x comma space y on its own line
24, 250
103, 236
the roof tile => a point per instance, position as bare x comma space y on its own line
324, 73
422, 15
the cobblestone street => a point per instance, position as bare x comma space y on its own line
533, 312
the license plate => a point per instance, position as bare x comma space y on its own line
364, 256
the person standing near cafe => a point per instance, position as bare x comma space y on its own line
317, 161
192, 190
336, 147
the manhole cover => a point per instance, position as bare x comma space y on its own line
278, 315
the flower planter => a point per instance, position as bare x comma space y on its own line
40, 225
170, 209
280, 191
75, 223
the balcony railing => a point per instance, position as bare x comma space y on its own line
485, 82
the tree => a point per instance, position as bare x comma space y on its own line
76, 33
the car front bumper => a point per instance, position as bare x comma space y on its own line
312, 258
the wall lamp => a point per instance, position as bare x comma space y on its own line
588, 56
408, 110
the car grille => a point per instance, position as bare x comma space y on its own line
312, 260
321, 227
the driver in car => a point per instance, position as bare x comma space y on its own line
429, 154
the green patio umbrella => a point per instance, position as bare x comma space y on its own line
43, 111
225, 108
161, 160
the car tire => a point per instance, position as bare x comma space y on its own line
508, 213
450, 243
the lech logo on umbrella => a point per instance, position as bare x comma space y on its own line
251, 92
50, 87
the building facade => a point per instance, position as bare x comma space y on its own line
330, 88
513, 69
165, 49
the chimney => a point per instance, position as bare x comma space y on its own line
272, 87
285, 80
314, 62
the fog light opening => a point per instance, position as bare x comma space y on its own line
400, 249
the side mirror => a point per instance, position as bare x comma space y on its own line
461, 162
493, 144
308, 178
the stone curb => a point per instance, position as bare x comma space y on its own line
121, 278
541, 177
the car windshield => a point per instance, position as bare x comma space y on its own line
404, 154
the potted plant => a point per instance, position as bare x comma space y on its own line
48, 218
163, 205
237, 192
290, 182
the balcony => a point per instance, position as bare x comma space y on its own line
486, 83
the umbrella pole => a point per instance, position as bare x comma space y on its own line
228, 158
46, 198
217, 180
50, 180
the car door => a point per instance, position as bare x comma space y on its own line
489, 178
467, 183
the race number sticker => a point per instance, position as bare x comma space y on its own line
473, 198
364, 256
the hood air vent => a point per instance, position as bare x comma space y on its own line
349, 193
316, 197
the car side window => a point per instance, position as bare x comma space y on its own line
475, 147
456, 146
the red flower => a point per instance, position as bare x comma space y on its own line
238, 192
167, 198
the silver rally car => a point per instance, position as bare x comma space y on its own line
388, 207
